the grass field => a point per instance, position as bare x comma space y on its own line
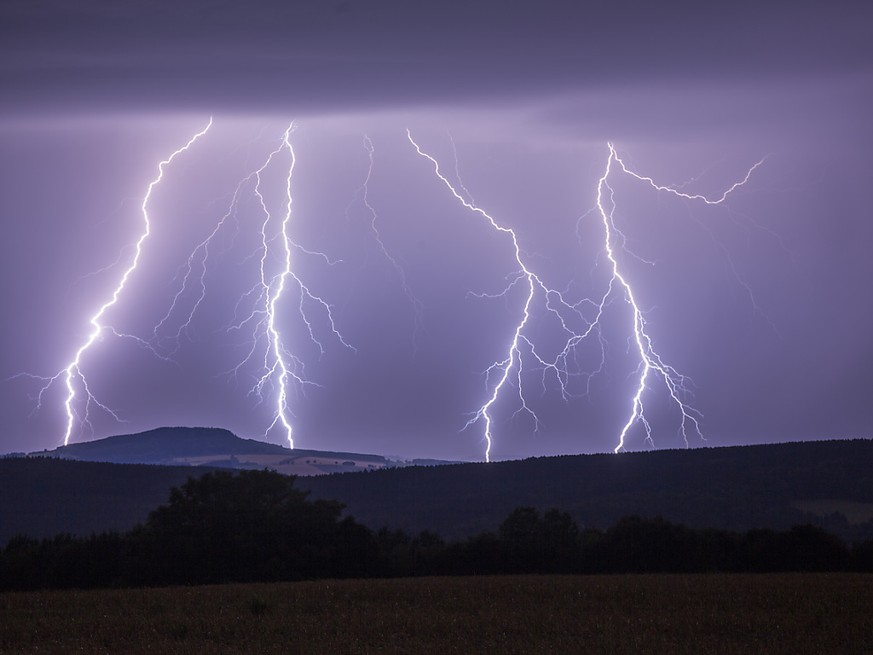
695, 614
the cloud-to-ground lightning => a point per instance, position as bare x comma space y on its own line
276, 369
73, 371
277, 365
650, 361
262, 315
554, 304
582, 320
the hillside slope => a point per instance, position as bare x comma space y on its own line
829, 483
215, 447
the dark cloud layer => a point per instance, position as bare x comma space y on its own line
59, 56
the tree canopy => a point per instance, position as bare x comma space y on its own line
228, 526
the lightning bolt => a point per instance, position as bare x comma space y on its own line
651, 361
511, 366
199, 257
73, 372
278, 367
582, 320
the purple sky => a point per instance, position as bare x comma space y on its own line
763, 301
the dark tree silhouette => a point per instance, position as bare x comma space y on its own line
251, 525
256, 526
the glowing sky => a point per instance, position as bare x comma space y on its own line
765, 301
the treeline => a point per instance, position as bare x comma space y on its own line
734, 489
256, 526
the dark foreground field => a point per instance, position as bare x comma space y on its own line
695, 614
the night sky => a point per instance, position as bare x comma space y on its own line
763, 301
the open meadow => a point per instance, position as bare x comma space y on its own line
694, 614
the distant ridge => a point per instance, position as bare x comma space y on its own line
828, 483
217, 447
774, 486
163, 445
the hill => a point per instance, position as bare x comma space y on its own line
214, 447
827, 483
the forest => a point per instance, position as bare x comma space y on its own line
828, 484
257, 526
